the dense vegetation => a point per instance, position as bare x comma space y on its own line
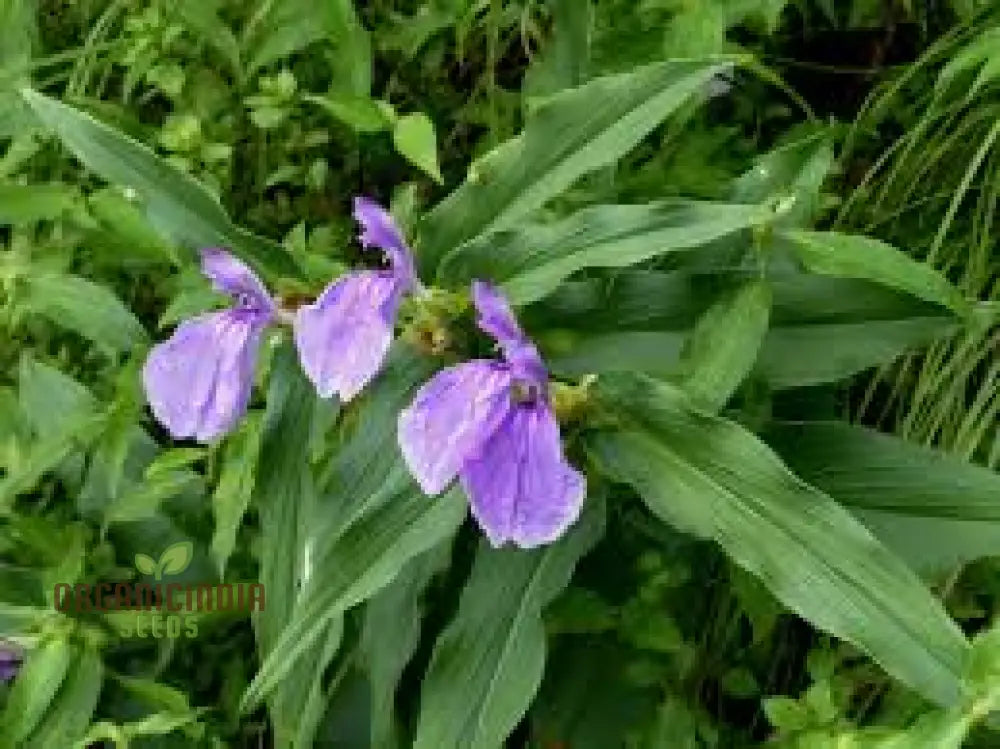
753, 242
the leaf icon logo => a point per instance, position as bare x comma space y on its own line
174, 560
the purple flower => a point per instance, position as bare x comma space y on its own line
491, 424
343, 337
10, 662
198, 381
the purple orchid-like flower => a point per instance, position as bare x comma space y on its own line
198, 381
491, 424
10, 662
343, 337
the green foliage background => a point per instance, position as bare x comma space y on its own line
755, 242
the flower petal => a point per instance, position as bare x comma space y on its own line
378, 229
198, 381
232, 276
343, 337
495, 316
497, 319
520, 486
451, 416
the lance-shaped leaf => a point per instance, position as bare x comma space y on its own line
177, 204
530, 262
574, 132
284, 497
488, 664
710, 477
34, 689
67, 719
86, 308
390, 635
933, 509
724, 345
358, 564
821, 329
850, 256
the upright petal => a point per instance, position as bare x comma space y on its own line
198, 381
451, 417
232, 276
343, 337
378, 229
520, 486
494, 315
497, 319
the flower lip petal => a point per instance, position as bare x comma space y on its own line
232, 276
520, 487
198, 381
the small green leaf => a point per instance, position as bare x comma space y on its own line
27, 204
176, 558
85, 308
145, 564
786, 714
232, 494
416, 141
361, 114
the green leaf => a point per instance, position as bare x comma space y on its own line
361, 114
235, 488
574, 132
849, 256
177, 204
284, 496
145, 564
710, 477
797, 169
724, 345
488, 664
281, 30
933, 509
530, 262
28, 204
66, 721
50, 398
415, 140
34, 688
202, 18
390, 634
822, 329
85, 308
143, 499
363, 560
